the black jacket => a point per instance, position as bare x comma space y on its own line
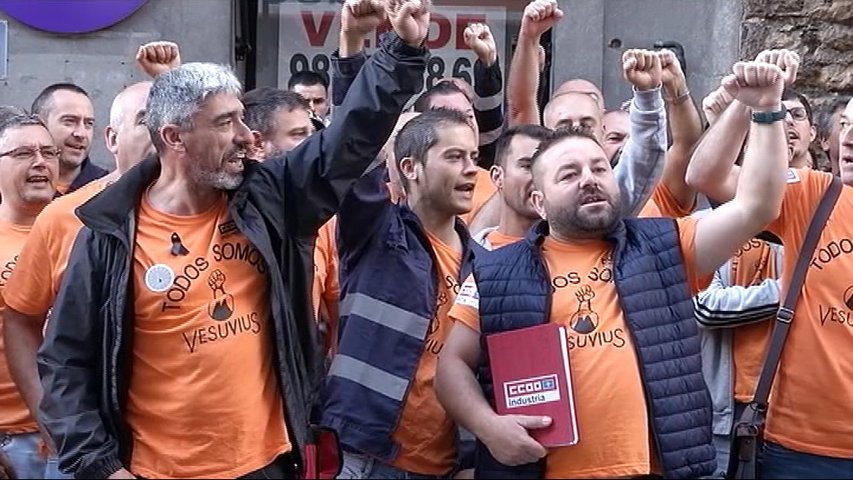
85, 361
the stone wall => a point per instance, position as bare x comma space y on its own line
821, 31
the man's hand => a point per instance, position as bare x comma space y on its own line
672, 76
410, 19
509, 442
157, 57
716, 103
121, 474
478, 37
642, 69
360, 17
539, 16
787, 60
757, 85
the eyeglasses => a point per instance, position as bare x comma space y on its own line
28, 154
798, 113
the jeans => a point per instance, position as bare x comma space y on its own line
780, 462
723, 443
358, 466
23, 451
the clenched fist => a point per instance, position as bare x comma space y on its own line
672, 76
539, 17
360, 17
787, 60
757, 85
410, 19
642, 69
478, 37
155, 58
716, 103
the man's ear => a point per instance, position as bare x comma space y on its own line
111, 139
256, 149
538, 203
172, 137
496, 173
407, 169
812, 134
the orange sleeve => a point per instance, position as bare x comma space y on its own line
466, 308
30, 288
803, 192
687, 236
667, 203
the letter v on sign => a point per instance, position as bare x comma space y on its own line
317, 35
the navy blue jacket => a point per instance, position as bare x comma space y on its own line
515, 292
389, 279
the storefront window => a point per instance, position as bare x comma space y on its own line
298, 35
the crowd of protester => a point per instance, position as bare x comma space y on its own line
265, 269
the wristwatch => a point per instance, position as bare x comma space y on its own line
767, 118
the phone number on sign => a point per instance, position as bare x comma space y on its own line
437, 67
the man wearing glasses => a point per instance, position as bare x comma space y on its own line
800, 128
29, 161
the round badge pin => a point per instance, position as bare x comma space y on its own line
159, 278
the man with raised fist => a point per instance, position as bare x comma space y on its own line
643, 407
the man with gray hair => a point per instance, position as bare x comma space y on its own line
193, 353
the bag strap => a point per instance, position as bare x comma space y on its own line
786, 311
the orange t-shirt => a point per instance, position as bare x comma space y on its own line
812, 403
752, 264
42, 261
14, 415
426, 432
663, 204
326, 291
498, 239
204, 398
483, 191
613, 422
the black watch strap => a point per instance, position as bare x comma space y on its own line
766, 118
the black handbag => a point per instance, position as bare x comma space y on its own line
748, 432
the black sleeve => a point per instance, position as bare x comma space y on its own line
311, 181
69, 364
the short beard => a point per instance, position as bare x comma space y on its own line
218, 179
569, 223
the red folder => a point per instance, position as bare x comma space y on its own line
531, 376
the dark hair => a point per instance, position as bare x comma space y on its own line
502, 144
558, 136
421, 134
424, 102
791, 94
262, 103
11, 120
824, 115
307, 78
44, 101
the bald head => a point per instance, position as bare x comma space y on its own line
574, 109
127, 137
579, 85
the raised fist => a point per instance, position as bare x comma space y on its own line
716, 103
360, 17
585, 293
642, 69
216, 281
155, 58
757, 85
787, 60
479, 38
672, 76
410, 19
539, 16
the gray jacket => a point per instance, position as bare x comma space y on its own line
721, 307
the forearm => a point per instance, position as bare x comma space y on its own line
710, 170
724, 305
488, 108
459, 392
642, 159
350, 44
344, 72
686, 129
22, 336
762, 180
524, 82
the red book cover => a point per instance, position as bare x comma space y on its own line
531, 376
